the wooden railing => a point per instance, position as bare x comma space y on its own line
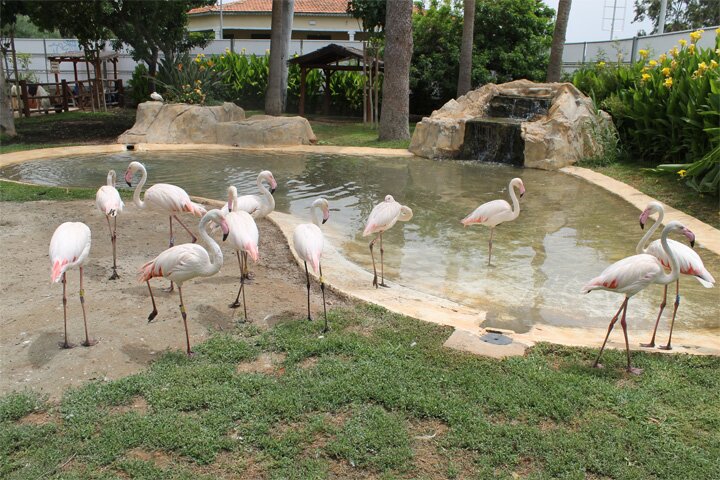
83, 94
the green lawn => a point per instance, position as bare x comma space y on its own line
377, 395
19, 192
354, 135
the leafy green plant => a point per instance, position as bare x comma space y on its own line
188, 80
140, 84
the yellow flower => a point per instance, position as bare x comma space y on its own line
668, 82
652, 63
210, 63
198, 59
691, 48
662, 58
643, 53
202, 68
646, 77
695, 36
717, 51
702, 66
682, 173
673, 65
666, 71
682, 42
601, 64
717, 31
674, 52
713, 64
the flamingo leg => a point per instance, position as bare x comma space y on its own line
322, 289
372, 255
610, 327
65, 344
651, 343
492, 230
154, 312
172, 244
183, 312
623, 324
382, 264
672, 322
236, 303
87, 342
192, 237
307, 277
114, 275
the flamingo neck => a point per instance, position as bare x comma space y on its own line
269, 199
111, 179
642, 245
515, 202
666, 278
313, 215
216, 256
136, 195
234, 200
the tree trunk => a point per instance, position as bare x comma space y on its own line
558, 42
465, 77
279, 46
152, 70
396, 84
7, 120
288, 12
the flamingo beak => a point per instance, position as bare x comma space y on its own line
522, 191
128, 177
225, 229
229, 205
326, 215
273, 185
643, 218
690, 236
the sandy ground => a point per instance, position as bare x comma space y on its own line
31, 316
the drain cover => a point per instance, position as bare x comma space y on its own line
496, 339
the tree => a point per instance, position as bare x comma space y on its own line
371, 13
681, 14
7, 121
465, 75
11, 11
396, 85
558, 41
281, 29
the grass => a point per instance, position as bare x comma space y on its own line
21, 192
377, 396
353, 134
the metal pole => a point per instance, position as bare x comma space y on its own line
612, 25
661, 19
221, 20
47, 74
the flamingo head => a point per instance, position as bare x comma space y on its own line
690, 236
268, 177
232, 196
132, 168
224, 227
389, 198
520, 185
652, 207
323, 205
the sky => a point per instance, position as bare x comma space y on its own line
586, 22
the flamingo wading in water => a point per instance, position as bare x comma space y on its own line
308, 241
69, 247
243, 238
382, 218
185, 262
633, 274
259, 206
495, 212
110, 204
689, 263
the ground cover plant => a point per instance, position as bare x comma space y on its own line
377, 396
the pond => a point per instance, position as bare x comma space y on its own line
568, 230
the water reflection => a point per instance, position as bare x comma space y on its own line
567, 232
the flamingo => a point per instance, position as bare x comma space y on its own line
382, 217
243, 238
187, 261
165, 197
259, 206
308, 242
109, 203
495, 212
689, 263
69, 247
631, 275
157, 97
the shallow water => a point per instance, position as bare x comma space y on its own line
568, 230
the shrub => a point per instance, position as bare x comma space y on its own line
187, 80
139, 84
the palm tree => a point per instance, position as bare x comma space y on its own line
465, 77
395, 113
558, 41
281, 29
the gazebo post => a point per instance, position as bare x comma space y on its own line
326, 99
301, 107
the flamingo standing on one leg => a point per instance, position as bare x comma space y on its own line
243, 238
689, 263
495, 212
187, 261
110, 204
308, 241
69, 247
165, 197
382, 218
259, 206
631, 275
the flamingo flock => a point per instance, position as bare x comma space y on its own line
661, 262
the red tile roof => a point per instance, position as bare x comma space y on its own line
265, 6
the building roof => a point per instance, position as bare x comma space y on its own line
323, 7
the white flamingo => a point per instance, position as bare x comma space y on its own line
243, 238
185, 262
110, 204
69, 247
631, 275
308, 242
382, 217
689, 263
495, 212
259, 206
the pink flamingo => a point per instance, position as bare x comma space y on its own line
308, 241
69, 247
688, 261
631, 275
382, 217
259, 206
165, 197
110, 204
495, 212
187, 261
243, 238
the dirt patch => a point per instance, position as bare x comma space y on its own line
37, 418
138, 405
159, 458
309, 362
232, 465
361, 329
31, 313
267, 363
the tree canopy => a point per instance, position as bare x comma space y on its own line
680, 14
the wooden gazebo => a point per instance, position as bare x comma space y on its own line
331, 59
95, 96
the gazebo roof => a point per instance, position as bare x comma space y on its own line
332, 53
80, 56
